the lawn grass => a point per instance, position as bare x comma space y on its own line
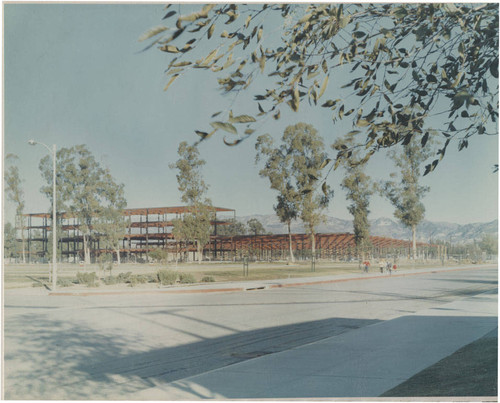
470, 371
19, 275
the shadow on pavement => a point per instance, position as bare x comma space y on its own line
68, 360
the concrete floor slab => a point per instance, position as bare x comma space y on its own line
362, 363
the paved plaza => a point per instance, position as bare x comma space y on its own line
352, 336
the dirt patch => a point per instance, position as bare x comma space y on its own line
470, 371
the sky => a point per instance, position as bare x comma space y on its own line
75, 74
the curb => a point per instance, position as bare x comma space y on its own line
256, 287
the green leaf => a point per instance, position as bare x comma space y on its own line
329, 103
170, 49
324, 66
362, 123
211, 31
324, 188
224, 126
295, 100
205, 135
172, 79
152, 32
242, 119
323, 87
325, 163
425, 139
431, 78
231, 144
181, 64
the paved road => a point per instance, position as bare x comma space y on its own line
115, 346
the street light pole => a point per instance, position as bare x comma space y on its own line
54, 212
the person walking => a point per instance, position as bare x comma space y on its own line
366, 265
381, 264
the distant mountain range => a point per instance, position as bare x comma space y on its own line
387, 227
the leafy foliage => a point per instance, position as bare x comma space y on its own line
9, 241
255, 227
294, 170
233, 228
88, 279
196, 224
15, 193
186, 278
160, 255
167, 277
392, 66
404, 192
86, 191
359, 188
489, 244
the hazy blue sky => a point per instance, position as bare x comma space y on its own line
74, 74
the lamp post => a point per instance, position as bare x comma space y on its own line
54, 224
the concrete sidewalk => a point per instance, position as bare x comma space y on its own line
260, 284
361, 363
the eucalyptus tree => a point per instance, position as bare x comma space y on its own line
85, 189
441, 58
359, 188
255, 227
111, 224
15, 194
276, 169
9, 241
489, 244
404, 191
294, 170
234, 227
195, 225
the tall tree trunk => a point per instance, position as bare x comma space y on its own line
21, 227
313, 245
86, 249
118, 260
292, 258
23, 239
200, 251
414, 239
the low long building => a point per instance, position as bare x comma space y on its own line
150, 229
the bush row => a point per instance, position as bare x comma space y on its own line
163, 277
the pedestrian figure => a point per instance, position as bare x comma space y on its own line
381, 265
394, 267
366, 264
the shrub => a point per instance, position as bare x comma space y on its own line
151, 278
208, 279
167, 277
110, 280
186, 278
63, 282
124, 277
137, 279
37, 284
89, 279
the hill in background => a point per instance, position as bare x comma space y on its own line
387, 227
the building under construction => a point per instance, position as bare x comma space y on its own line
150, 229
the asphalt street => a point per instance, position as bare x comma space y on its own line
119, 346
